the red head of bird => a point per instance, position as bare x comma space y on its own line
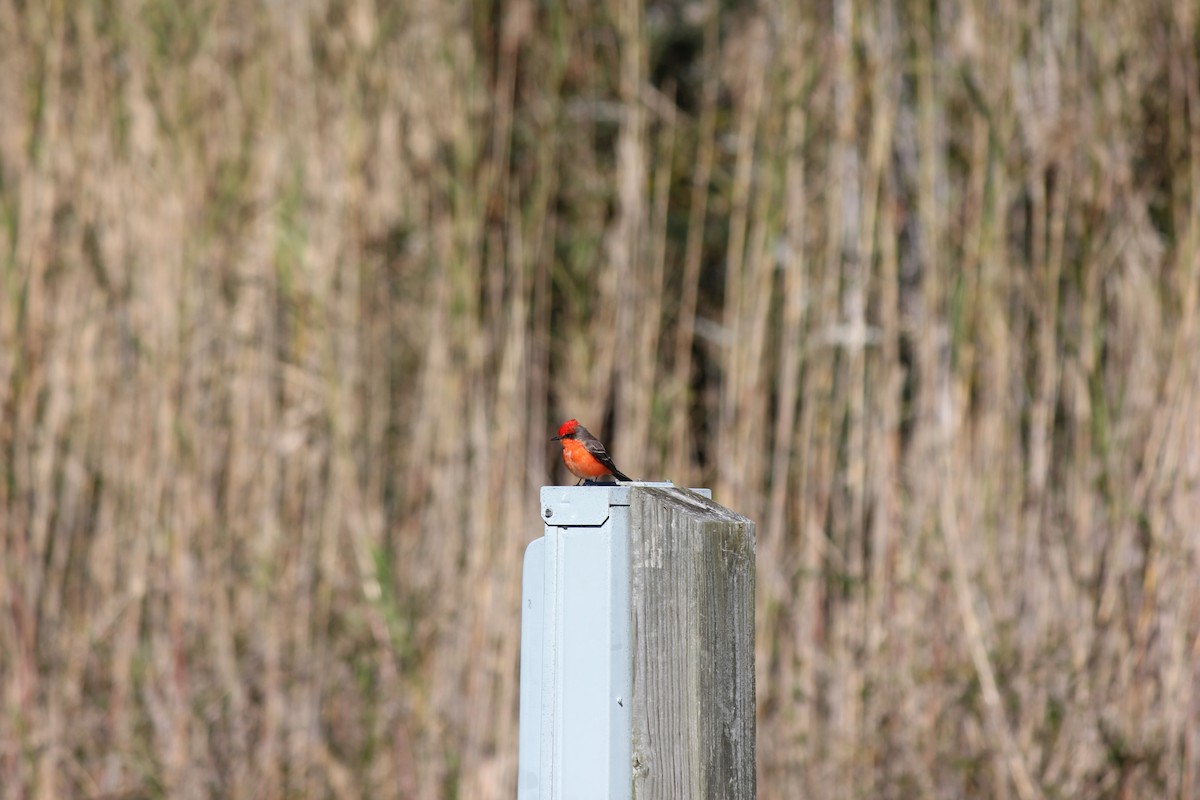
568, 429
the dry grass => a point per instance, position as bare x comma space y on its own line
293, 294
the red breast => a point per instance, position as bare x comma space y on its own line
582, 463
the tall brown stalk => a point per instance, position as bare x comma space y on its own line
293, 296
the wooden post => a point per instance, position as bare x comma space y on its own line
637, 647
692, 600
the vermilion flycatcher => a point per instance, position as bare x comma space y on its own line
584, 455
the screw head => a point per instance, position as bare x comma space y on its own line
548, 513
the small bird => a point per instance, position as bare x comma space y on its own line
584, 455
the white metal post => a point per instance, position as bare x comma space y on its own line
576, 664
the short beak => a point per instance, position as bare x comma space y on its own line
556, 438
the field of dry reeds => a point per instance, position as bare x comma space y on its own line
293, 294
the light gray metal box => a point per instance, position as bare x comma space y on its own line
575, 658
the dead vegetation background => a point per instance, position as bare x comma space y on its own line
294, 293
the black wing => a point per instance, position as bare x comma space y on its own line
595, 448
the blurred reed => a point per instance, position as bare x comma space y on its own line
293, 294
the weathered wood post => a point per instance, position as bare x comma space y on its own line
637, 647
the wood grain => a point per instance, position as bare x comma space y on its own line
692, 639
